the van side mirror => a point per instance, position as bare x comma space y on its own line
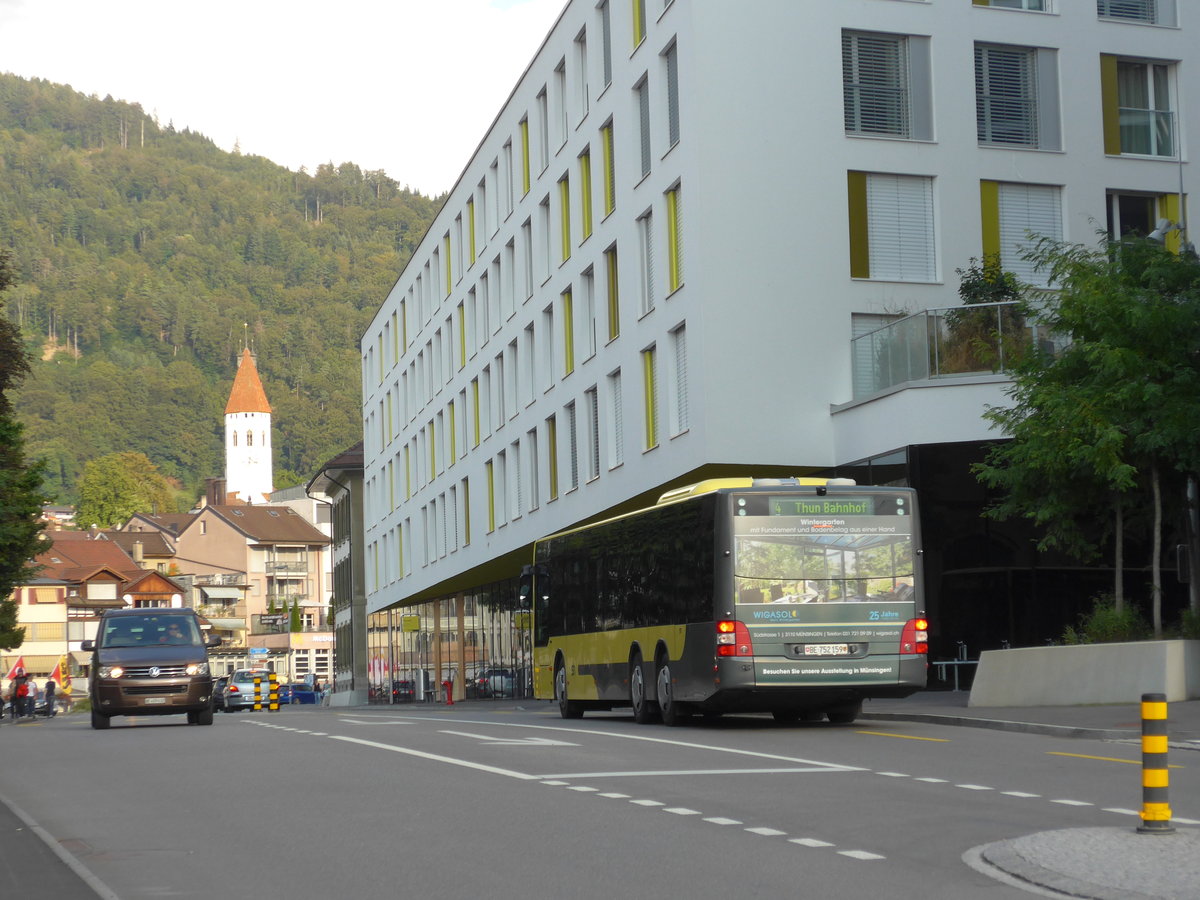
87, 646
214, 640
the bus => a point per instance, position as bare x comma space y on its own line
800, 597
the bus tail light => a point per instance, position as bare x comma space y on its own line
733, 639
914, 639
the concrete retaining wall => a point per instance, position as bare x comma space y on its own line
1087, 673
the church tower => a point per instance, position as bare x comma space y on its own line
248, 461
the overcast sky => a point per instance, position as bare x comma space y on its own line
407, 86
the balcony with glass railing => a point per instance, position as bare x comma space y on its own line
954, 342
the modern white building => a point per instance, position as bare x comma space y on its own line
658, 260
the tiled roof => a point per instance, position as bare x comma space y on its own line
75, 560
271, 524
247, 394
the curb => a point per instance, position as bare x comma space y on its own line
1069, 731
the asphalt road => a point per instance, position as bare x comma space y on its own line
514, 802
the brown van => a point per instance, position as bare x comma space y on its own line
150, 662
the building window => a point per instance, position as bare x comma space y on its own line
680, 419
572, 447
671, 57
887, 85
1039, 5
645, 226
674, 242
610, 171
1010, 213
606, 40
1151, 12
524, 129
613, 293
1131, 213
639, 21
568, 327
891, 227
489, 469
650, 395
552, 455
1138, 115
582, 98
642, 94
592, 399
585, 194
1006, 95
564, 207
616, 446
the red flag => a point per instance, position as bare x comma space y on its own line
17, 668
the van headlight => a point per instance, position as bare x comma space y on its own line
111, 672
197, 669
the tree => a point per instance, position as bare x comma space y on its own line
114, 487
295, 623
1111, 417
20, 482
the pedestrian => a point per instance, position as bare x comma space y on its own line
31, 698
20, 690
51, 691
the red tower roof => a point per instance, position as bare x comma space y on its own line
247, 394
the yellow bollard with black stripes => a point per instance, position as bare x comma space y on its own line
273, 693
1156, 810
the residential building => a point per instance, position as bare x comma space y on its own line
629, 288
77, 577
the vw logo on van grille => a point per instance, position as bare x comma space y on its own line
155, 671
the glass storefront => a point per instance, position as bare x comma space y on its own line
476, 641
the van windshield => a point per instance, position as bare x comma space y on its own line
151, 631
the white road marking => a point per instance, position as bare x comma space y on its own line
660, 772
646, 803
974, 787
1073, 802
1123, 812
512, 742
1023, 794
860, 854
466, 764
893, 774
934, 780
681, 811
721, 820
766, 832
809, 842
584, 789
611, 795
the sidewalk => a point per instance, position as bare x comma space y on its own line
1098, 863
1121, 721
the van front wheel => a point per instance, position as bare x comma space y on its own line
100, 721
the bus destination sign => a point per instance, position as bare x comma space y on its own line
822, 506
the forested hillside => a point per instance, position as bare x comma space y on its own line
147, 256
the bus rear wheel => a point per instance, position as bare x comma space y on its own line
844, 714
643, 708
672, 712
568, 709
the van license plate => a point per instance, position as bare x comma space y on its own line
153, 700
826, 649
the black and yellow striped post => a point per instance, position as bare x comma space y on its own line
257, 693
273, 693
1156, 811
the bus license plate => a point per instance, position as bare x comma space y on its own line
826, 649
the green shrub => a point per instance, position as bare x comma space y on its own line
1104, 625
1189, 627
